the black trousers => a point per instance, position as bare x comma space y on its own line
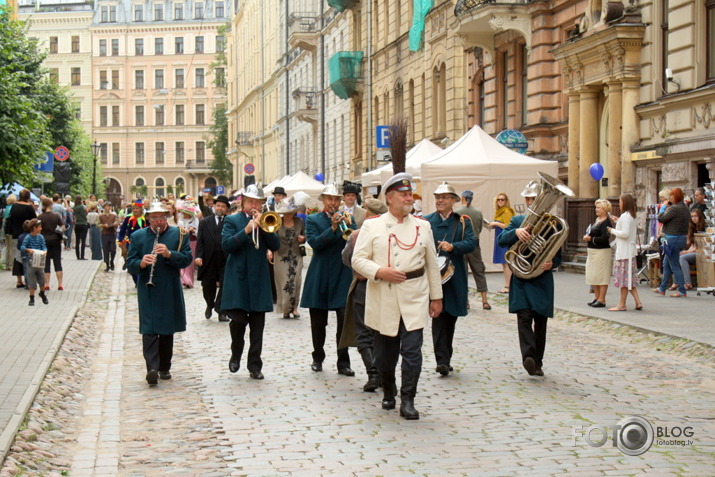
209, 288
109, 248
442, 336
364, 335
532, 335
407, 344
318, 324
54, 254
158, 351
80, 241
240, 319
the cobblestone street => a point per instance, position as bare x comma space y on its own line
488, 418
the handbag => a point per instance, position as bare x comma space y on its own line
301, 249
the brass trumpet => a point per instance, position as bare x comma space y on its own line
344, 226
270, 222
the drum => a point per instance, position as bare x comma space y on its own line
446, 269
38, 258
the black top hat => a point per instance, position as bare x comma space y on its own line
224, 199
351, 187
279, 190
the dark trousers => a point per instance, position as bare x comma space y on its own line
80, 241
318, 323
476, 264
407, 344
363, 334
256, 321
109, 248
442, 337
54, 255
532, 338
158, 351
209, 287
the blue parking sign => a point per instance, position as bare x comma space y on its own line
382, 137
220, 190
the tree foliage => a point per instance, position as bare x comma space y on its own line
217, 140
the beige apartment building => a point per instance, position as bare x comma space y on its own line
154, 93
62, 28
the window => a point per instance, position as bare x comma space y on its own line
179, 78
103, 116
179, 114
115, 79
102, 47
200, 78
115, 153
113, 13
179, 45
220, 78
159, 183
77, 107
158, 79
139, 115
103, 80
199, 10
158, 12
159, 115
710, 40
104, 18
54, 43
159, 155
103, 152
139, 182
55, 75
138, 13
75, 44
139, 79
139, 46
220, 43
503, 88
522, 59
219, 10
178, 11
199, 44
158, 46
200, 152
179, 153
115, 47
139, 153
200, 114
76, 77
115, 115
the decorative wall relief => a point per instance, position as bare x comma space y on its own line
705, 117
674, 172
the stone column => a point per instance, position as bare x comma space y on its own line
615, 116
574, 125
588, 150
630, 133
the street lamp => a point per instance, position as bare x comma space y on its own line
95, 152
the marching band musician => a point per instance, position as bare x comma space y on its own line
454, 238
156, 255
396, 253
351, 191
210, 257
532, 300
247, 289
328, 280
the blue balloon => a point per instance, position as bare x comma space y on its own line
596, 171
319, 177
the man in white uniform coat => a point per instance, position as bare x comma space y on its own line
396, 253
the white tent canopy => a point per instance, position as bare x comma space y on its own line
479, 163
423, 151
301, 181
270, 187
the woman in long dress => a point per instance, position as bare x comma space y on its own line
288, 261
189, 221
502, 217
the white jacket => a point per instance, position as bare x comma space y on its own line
626, 233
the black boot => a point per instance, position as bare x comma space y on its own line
373, 377
44, 298
407, 395
389, 389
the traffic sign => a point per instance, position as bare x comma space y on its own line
47, 163
62, 153
382, 137
220, 190
249, 168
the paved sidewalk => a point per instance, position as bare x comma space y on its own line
691, 318
32, 336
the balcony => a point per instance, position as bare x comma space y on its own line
345, 69
306, 105
481, 20
342, 5
303, 31
198, 167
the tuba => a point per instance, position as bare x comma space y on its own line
548, 232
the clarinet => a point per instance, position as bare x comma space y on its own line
150, 283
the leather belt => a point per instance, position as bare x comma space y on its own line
415, 273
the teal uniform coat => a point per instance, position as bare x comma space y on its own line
246, 279
328, 280
161, 308
536, 294
456, 290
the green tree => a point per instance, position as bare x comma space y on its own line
217, 140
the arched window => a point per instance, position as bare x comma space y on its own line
139, 182
159, 184
180, 186
210, 183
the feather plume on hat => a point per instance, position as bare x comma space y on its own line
398, 144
